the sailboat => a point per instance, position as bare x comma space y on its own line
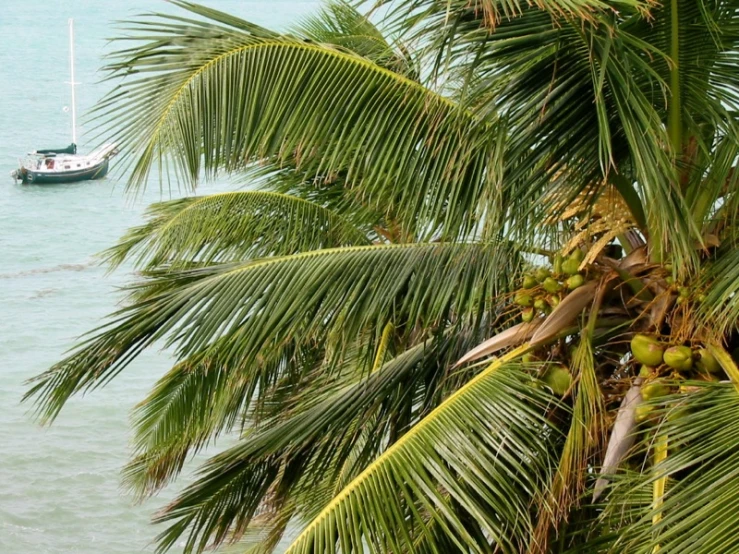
65, 165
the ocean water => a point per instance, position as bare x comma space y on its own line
60, 486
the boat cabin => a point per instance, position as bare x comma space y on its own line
53, 163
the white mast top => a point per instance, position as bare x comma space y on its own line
72, 82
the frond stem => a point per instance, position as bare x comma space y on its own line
658, 487
675, 115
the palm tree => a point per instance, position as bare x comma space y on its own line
482, 294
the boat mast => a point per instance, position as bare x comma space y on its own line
72, 82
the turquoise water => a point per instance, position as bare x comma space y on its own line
60, 486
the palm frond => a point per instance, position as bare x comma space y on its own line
339, 23
719, 313
699, 511
255, 307
198, 400
315, 439
232, 226
529, 72
582, 443
330, 192
489, 14
489, 466
197, 95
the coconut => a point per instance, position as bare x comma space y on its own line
707, 361
557, 264
645, 371
540, 304
576, 281
553, 300
684, 292
570, 266
557, 377
578, 255
529, 358
551, 285
524, 299
541, 274
654, 389
647, 350
679, 357
529, 282
643, 411
527, 314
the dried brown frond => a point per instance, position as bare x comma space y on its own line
595, 220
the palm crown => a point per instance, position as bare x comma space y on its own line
551, 183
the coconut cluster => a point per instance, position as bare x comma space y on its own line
679, 360
685, 293
543, 288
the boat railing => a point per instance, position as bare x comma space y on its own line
31, 161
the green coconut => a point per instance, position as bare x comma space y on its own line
643, 411
553, 300
654, 389
524, 299
529, 358
557, 264
578, 255
575, 282
541, 274
707, 361
647, 350
558, 378
529, 282
679, 357
645, 371
527, 314
684, 292
551, 285
570, 266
